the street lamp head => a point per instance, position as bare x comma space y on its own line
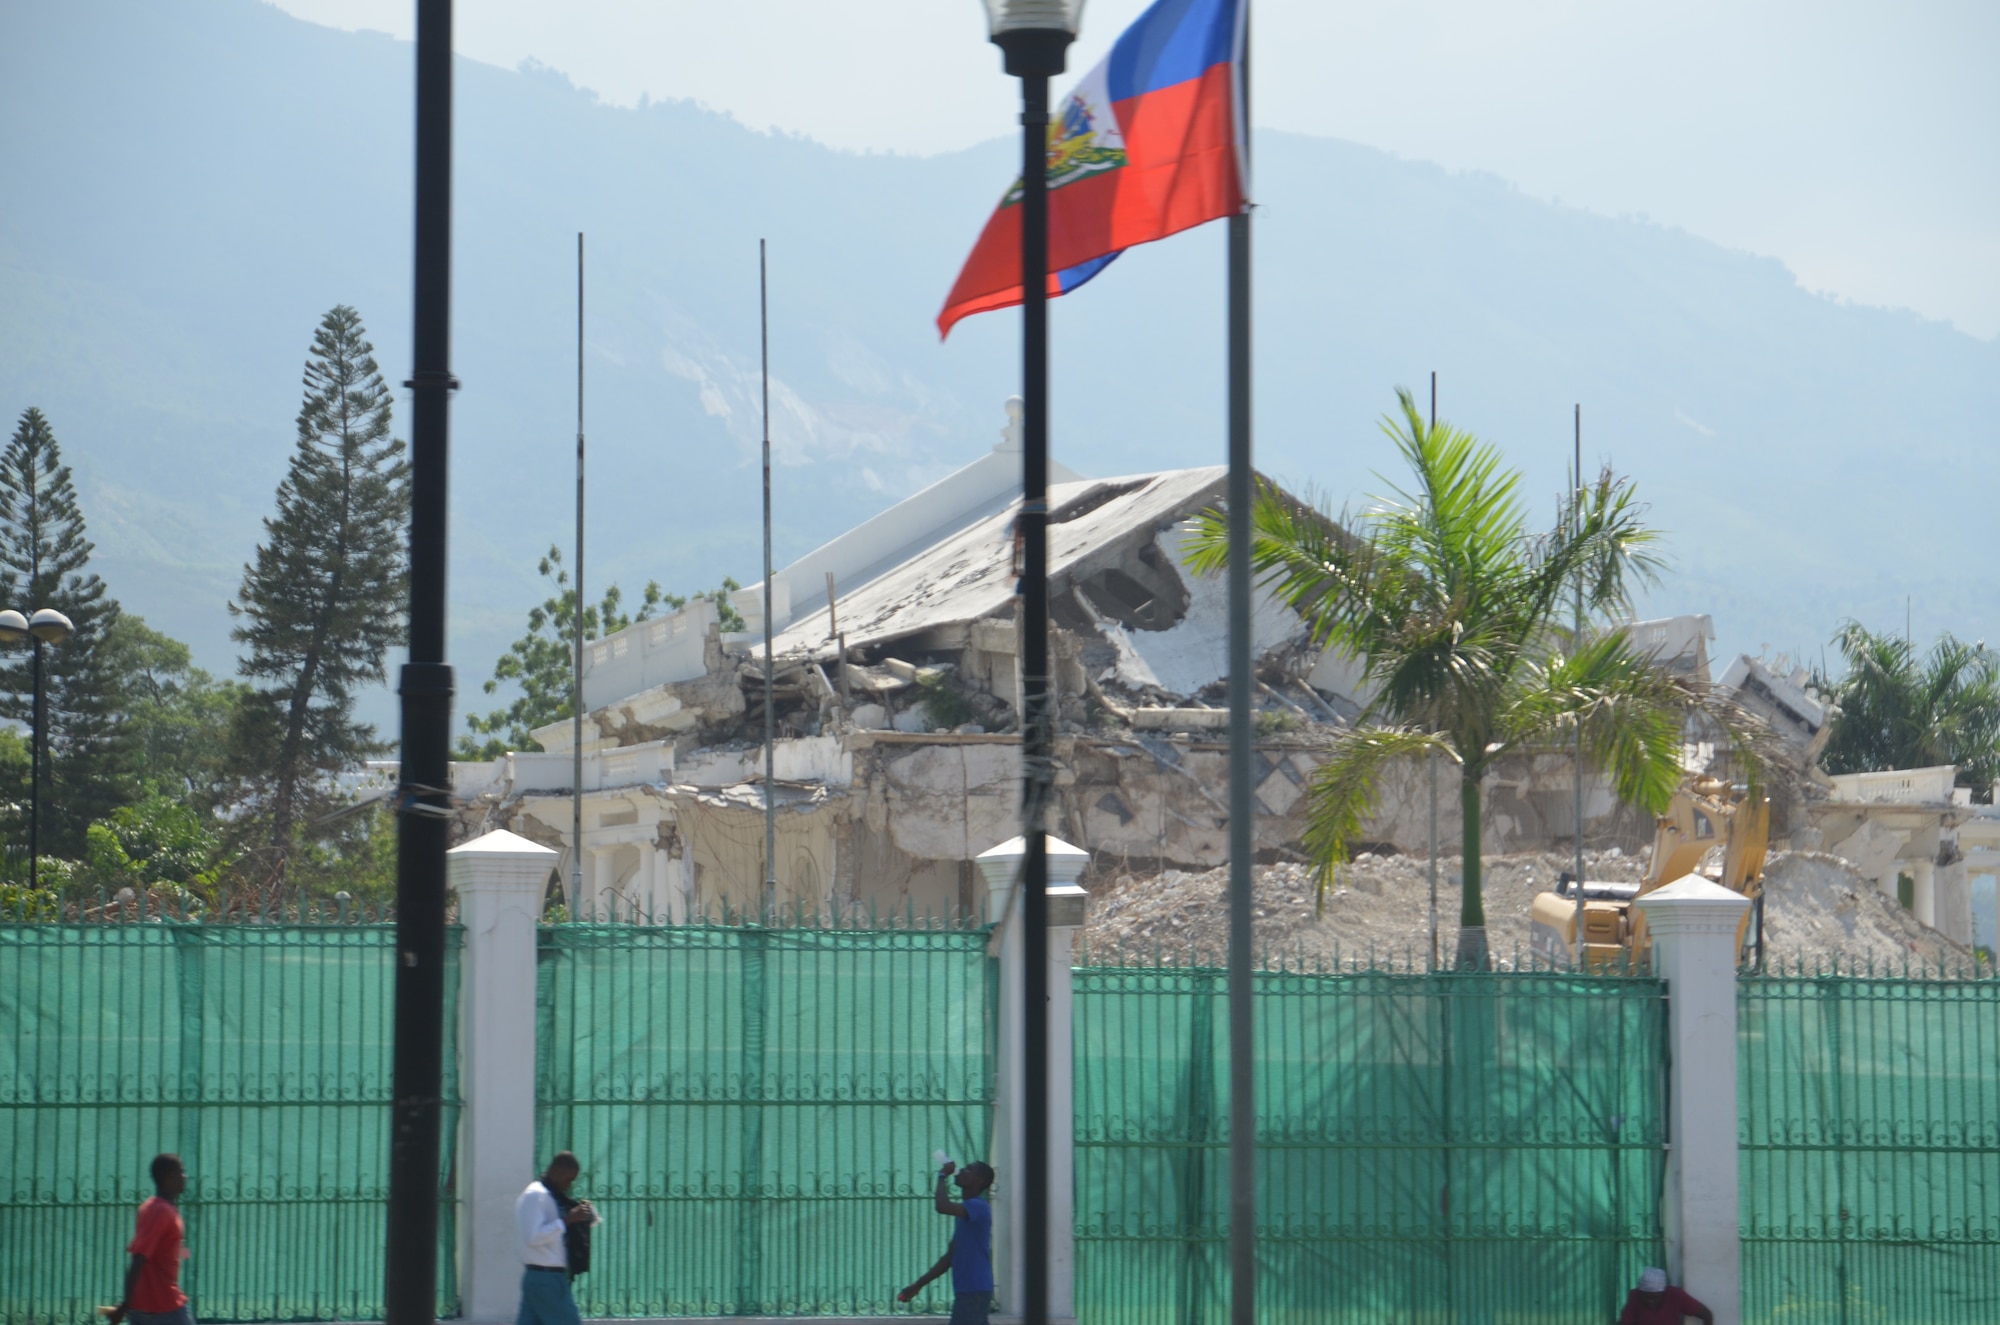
1033, 33
1014, 15
49, 626
13, 627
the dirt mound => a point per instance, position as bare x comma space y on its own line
1377, 912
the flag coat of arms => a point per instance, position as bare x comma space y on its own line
1148, 144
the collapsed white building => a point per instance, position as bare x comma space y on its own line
896, 701
896, 705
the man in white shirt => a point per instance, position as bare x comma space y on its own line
544, 1214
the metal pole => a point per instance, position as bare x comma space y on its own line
576, 652
1242, 822
770, 712
1576, 524
1037, 773
35, 775
424, 800
1431, 766
1034, 56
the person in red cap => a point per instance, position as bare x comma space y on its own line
1654, 1302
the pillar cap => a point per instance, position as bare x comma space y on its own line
1002, 864
1016, 847
500, 842
1692, 902
500, 861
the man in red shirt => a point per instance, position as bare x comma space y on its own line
153, 1293
1654, 1303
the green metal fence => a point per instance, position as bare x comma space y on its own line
260, 1054
755, 1108
1870, 1150
1433, 1148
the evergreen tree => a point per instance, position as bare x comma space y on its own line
44, 562
177, 715
325, 598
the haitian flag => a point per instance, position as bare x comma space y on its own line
1150, 143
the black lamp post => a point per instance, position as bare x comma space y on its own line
1035, 35
46, 626
424, 798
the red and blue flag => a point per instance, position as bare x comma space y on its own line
1150, 143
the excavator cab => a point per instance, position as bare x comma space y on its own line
1704, 813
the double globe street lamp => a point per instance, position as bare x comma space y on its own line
46, 626
1035, 36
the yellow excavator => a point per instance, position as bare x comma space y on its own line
1705, 813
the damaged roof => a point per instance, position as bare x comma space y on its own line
970, 575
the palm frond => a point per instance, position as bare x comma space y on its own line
1344, 791
1629, 712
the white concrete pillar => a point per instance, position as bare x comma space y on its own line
600, 878
666, 887
1693, 923
499, 879
1890, 882
1954, 902
1001, 868
1923, 893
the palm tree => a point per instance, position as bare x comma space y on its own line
1456, 608
1900, 711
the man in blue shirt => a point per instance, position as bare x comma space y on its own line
969, 1256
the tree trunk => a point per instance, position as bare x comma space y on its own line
1472, 953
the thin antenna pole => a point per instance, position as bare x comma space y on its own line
770, 714
1431, 765
576, 673
1576, 642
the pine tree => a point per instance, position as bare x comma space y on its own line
44, 562
324, 600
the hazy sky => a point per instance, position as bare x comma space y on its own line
1857, 142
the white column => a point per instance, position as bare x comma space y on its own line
499, 880
1890, 882
1001, 868
1923, 893
1693, 923
1954, 902
599, 878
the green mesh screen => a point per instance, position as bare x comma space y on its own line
755, 1109
259, 1054
1870, 1150
1434, 1148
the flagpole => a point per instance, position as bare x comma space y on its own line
576, 675
770, 716
1242, 842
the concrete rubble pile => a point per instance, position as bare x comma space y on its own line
1818, 909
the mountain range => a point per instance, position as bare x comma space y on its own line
192, 186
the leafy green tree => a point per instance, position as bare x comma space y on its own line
45, 562
352, 851
324, 600
178, 716
539, 662
15, 761
1902, 710
1458, 610
156, 841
